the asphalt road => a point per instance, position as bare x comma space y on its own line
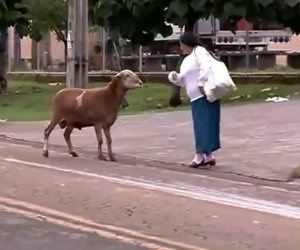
19, 232
66, 203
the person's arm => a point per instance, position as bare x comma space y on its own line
178, 78
203, 61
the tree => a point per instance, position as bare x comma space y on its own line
46, 16
141, 20
12, 13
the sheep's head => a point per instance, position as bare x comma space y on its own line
129, 79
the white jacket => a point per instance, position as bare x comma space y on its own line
200, 69
194, 72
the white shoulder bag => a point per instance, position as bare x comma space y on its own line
219, 82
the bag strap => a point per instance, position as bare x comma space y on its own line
214, 56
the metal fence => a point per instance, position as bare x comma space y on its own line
49, 54
104, 55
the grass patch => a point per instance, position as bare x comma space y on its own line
27, 101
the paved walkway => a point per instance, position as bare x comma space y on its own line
261, 140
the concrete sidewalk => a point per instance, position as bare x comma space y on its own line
260, 140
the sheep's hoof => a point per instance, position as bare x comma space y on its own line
74, 154
46, 153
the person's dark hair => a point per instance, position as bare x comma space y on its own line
190, 39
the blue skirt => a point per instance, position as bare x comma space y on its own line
206, 119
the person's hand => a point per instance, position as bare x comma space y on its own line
173, 76
202, 90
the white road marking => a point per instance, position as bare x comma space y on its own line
177, 125
78, 223
193, 192
275, 189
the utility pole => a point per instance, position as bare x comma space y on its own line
103, 49
77, 60
9, 48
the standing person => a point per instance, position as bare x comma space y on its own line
194, 74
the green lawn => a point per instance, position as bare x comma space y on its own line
32, 101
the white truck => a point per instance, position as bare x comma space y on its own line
216, 34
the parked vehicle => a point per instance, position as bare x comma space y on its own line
216, 34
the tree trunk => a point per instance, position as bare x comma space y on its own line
3, 60
118, 57
34, 55
175, 99
3, 64
189, 27
62, 36
66, 52
3, 52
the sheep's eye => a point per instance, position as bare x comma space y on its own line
127, 75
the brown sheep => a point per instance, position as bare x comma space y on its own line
79, 108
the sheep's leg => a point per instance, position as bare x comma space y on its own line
47, 133
98, 130
109, 141
67, 135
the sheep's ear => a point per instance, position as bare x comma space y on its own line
117, 76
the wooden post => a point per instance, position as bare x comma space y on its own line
9, 48
140, 58
77, 63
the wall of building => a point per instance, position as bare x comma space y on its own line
52, 51
293, 45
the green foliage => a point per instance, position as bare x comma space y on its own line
47, 15
141, 20
136, 20
14, 13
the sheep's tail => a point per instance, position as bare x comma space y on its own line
62, 124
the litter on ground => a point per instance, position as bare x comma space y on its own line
277, 99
